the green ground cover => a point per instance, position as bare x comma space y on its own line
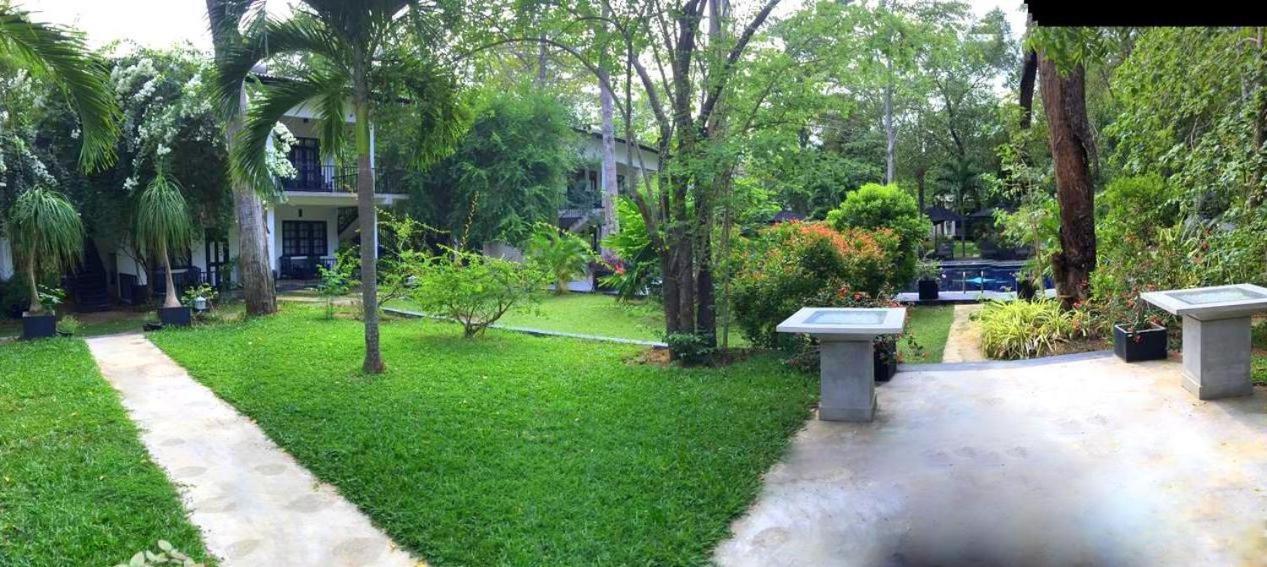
76, 485
509, 449
595, 314
929, 325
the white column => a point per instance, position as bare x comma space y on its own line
270, 214
6, 260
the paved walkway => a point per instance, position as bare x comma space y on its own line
1078, 460
964, 342
253, 502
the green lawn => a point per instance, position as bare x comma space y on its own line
1258, 364
76, 486
929, 325
509, 448
595, 314
93, 324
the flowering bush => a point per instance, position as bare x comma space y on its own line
874, 207
790, 265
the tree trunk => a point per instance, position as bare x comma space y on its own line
254, 270
36, 306
169, 298
890, 131
1064, 100
369, 230
258, 291
610, 188
1029, 68
919, 186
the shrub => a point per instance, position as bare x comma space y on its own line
876, 206
473, 289
1140, 248
1027, 329
563, 255
339, 280
690, 349
635, 266
70, 325
789, 265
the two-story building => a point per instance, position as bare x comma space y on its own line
315, 215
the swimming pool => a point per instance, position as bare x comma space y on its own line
979, 276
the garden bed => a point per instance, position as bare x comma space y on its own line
76, 485
509, 448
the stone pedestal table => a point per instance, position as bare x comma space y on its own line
1216, 335
847, 365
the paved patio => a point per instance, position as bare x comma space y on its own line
1075, 460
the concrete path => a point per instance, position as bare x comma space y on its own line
1083, 460
964, 342
253, 502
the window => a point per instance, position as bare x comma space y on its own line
303, 238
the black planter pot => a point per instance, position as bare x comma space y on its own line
1026, 290
929, 290
885, 359
1135, 346
175, 316
38, 326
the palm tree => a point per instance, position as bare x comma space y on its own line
162, 224
353, 51
58, 55
258, 290
560, 253
47, 235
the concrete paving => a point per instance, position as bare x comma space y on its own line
1078, 460
253, 502
963, 344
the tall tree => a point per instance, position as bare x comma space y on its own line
254, 267
607, 127
1062, 84
359, 55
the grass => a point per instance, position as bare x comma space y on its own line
930, 326
509, 449
1258, 362
76, 485
93, 324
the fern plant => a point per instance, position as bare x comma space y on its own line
559, 253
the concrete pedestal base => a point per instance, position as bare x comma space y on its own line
847, 370
1216, 357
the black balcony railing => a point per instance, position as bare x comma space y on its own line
340, 179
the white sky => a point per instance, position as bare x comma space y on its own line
160, 23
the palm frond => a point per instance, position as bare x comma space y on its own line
248, 162
162, 216
59, 55
332, 107
44, 225
302, 34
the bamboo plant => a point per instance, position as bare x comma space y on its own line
47, 235
163, 224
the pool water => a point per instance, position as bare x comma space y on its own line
979, 277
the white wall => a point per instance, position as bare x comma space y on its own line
6, 259
306, 213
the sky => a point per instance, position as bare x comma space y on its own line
160, 23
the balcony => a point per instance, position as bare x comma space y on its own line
341, 179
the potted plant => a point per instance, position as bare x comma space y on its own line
885, 358
929, 273
48, 237
1141, 338
1025, 288
162, 224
